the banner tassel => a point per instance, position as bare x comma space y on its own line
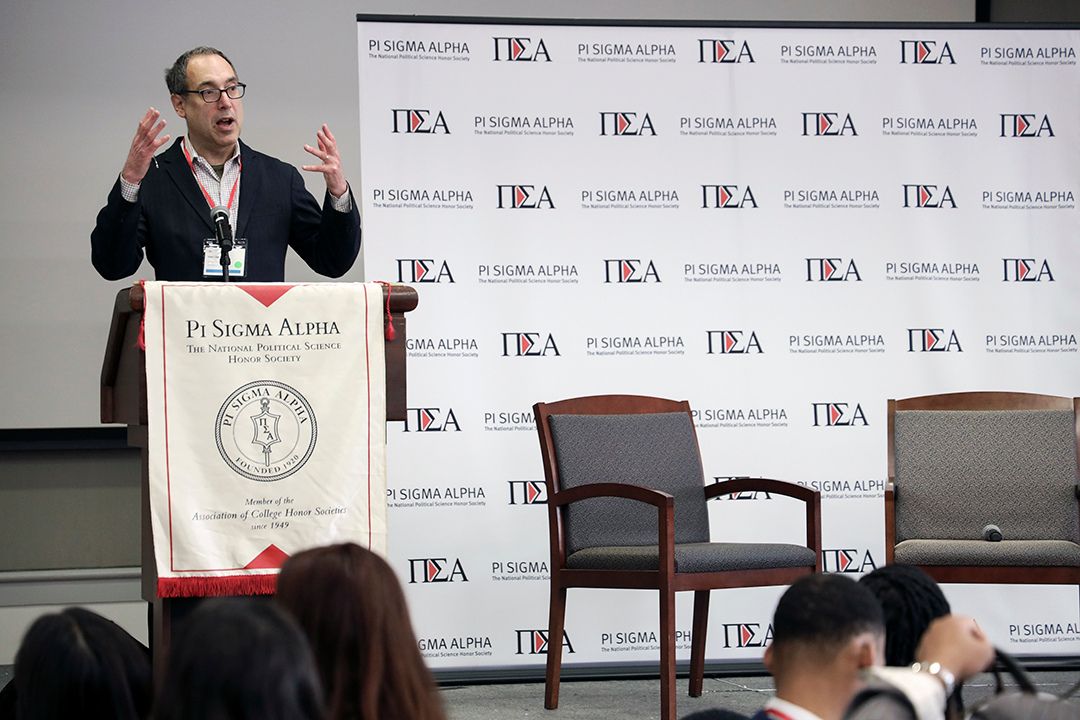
390, 332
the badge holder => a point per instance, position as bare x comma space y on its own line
216, 261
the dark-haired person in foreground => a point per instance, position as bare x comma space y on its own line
826, 631
77, 664
351, 606
161, 205
827, 649
911, 600
239, 659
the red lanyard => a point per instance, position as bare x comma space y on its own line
210, 200
776, 714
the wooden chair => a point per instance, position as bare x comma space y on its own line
627, 509
962, 464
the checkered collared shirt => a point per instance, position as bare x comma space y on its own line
219, 189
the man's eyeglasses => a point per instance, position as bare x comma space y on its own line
212, 95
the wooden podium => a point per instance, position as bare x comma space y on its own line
123, 400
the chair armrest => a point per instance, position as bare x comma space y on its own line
779, 487
624, 490
665, 515
811, 498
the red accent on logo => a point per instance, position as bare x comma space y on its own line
834, 415
923, 52
842, 561
924, 196
419, 270
747, 636
729, 342
270, 558
829, 270
431, 570
621, 124
721, 51
524, 344
725, 196
1021, 125
266, 294
539, 643
930, 340
627, 270
1022, 270
426, 419
823, 123
531, 493
520, 196
415, 120
516, 48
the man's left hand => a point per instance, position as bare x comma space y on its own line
327, 152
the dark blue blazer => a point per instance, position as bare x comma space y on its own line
171, 219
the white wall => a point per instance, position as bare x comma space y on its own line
75, 78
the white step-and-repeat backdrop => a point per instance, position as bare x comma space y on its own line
785, 226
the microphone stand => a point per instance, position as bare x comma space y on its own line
219, 218
226, 247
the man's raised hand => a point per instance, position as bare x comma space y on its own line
143, 146
330, 167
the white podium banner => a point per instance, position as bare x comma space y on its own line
266, 412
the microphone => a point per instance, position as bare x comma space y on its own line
992, 533
219, 217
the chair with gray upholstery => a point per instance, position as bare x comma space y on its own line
983, 487
627, 509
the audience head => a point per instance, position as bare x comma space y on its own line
911, 600
76, 663
239, 659
352, 608
822, 616
827, 630
825, 626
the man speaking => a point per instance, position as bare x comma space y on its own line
162, 205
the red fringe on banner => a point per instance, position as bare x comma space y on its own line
225, 586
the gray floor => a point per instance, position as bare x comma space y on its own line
640, 699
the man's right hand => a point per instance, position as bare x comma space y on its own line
143, 146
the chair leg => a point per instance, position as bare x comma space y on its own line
556, 616
697, 642
667, 653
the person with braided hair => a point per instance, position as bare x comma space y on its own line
911, 600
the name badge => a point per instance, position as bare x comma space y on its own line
212, 258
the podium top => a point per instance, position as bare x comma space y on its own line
123, 372
402, 298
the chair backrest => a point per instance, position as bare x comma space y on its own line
631, 444
967, 460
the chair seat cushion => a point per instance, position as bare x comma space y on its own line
694, 557
1035, 553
